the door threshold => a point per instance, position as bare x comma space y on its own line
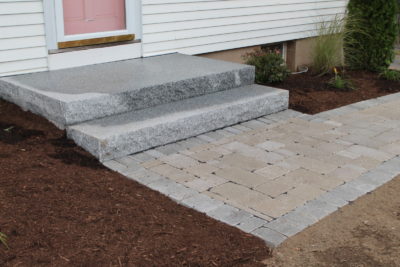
92, 46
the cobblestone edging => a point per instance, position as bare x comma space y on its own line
273, 231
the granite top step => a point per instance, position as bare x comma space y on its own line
135, 131
80, 94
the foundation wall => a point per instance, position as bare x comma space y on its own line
298, 53
232, 55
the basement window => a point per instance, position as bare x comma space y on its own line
279, 47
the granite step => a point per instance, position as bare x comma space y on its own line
75, 95
135, 131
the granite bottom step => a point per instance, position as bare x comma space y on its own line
132, 132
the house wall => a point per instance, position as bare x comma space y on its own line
299, 53
185, 26
203, 26
22, 37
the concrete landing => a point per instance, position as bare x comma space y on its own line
74, 95
131, 132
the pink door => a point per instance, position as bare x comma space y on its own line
89, 16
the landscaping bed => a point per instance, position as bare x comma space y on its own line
351, 59
311, 94
60, 207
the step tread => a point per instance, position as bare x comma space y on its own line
134, 120
127, 75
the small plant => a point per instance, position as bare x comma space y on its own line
270, 66
391, 75
3, 239
340, 82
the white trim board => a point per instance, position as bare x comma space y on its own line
94, 56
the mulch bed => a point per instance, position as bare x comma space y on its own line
311, 94
60, 207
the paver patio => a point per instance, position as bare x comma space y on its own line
276, 175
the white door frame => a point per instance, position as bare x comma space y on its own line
54, 21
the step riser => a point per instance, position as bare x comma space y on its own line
99, 105
167, 132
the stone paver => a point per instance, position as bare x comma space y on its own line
206, 155
272, 237
243, 162
202, 203
272, 171
271, 146
241, 176
238, 194
274, 188
201, 169
205, 182
250, 224
173, 173
229, 214
313, 164
306, 192
278, 206
179, 161
276, 175
348, 172
304, 176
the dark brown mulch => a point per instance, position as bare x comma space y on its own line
311, 94
60, 207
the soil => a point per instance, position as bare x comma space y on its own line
311, 94
365, 233
60, 207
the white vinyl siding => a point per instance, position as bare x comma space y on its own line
185, 26
202, 26
22, 37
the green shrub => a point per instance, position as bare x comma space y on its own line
374, 50
270, 66
391, 75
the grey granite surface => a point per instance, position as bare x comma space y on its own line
132, 132
71, 96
